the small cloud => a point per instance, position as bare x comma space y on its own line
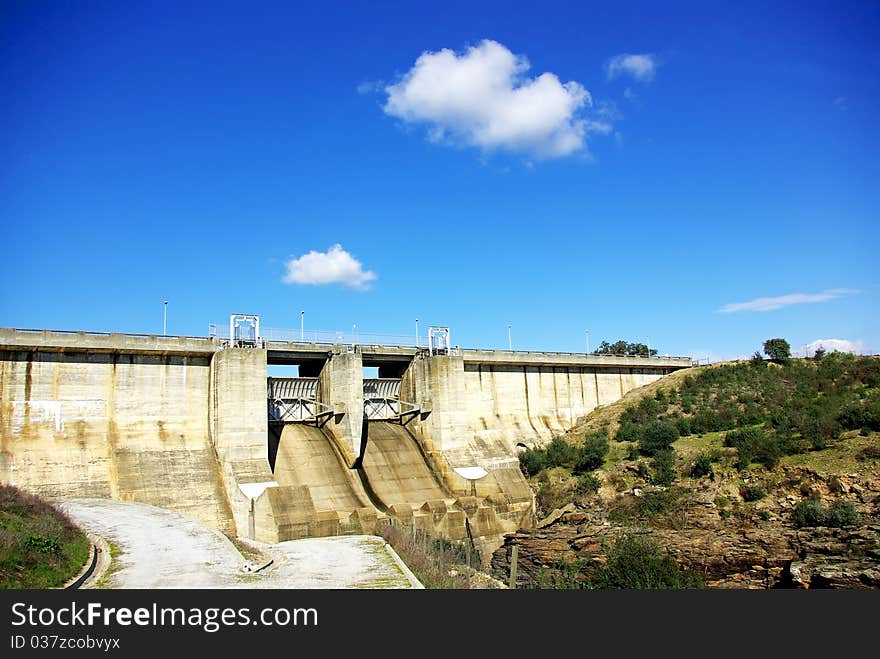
639, 67
773, 303
335, 266
840, 103
483, 98
369, 86
629, 94
607, 109
834, 345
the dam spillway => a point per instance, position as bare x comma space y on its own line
196, 424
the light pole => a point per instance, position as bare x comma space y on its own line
302, 326
164, 317
417, 332
587, 333
648, 343
509, 340
354, 333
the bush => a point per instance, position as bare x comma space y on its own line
592, 453
753, 445
857, 416
628, 432
842, 513
752, 492
638, 563
560, 453
702, 466
657, 436
683, 426
809, 512
664, 467
532, 461
587, 484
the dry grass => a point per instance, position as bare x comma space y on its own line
841, 457
436, 563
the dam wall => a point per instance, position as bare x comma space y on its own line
101, 424
184, 423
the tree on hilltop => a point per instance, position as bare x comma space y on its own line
777, 349
624, 349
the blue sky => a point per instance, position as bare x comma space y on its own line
677, 160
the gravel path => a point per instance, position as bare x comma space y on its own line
160, 549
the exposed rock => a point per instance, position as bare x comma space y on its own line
739, 545
556, 514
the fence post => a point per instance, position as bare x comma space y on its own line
514, 554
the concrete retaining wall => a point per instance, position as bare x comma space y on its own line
131, 427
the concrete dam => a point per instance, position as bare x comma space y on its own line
197, 425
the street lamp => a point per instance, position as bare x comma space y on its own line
417, 332
587, 332
648, 343
164, 317
509, 340
302, 326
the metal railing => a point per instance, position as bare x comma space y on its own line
298, 410
380, 408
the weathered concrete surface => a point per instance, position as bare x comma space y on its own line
239, 424
100, 342
132, 427
317, 494
341, 386
181, 422
396, 468
160, 549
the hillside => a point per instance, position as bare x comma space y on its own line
39, 546
749, 474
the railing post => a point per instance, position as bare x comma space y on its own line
514, 555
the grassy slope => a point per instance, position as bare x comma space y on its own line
554, 485
39, 546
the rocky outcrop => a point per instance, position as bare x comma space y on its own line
732, 544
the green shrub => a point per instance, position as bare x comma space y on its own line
752, 492
664, 467
587, 484
628, 432
560, 453
683, 426
635, 562
702, 466
532, 461
842, 513
754, 445
657, 436
592, 453
809, 512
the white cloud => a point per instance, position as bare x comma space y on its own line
834, 345
369, 86
773, 303
640, 67
483, 98
335, 266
